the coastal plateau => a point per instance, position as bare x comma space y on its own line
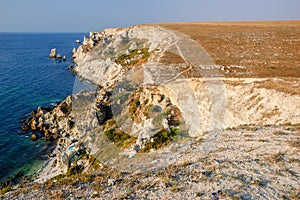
183, 110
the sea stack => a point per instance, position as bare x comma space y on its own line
52, 53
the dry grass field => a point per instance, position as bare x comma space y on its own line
266, 49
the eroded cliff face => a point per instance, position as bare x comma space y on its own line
192, 81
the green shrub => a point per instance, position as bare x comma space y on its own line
135, 56
147, 110
160, 140
120, 138
5, 190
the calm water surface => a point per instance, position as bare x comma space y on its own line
28, 79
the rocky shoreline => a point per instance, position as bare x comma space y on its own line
156, 125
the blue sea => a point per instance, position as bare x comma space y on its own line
28, 79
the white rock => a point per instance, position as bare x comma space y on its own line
52, 53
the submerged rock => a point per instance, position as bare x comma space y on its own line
24, 128
33, 136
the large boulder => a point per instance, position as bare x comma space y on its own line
33, 125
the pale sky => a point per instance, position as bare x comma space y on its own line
93, 15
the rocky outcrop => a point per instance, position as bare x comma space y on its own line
94, 39
193, 86
139, 103
52, 122
139, 116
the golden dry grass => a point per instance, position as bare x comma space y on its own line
266, 48
170, 57
286, 85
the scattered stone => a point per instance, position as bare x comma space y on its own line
33, 125
39, 112
40, 126
55, 136
47, 135
111, 182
